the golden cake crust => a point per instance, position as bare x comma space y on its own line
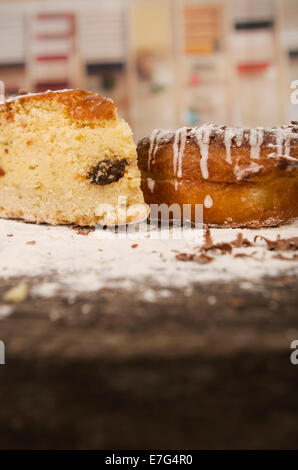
244, 177
156, 153
79, 104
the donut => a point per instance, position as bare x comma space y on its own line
243, 177
67, 158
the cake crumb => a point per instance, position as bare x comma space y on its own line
236, 302
17, 293
83, 230
5, 311
212, 300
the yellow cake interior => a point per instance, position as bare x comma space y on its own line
45, 157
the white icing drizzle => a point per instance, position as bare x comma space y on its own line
17, 97
239, 172
228, 136
288, 142
279, 143
2, 91
239, 132
255, 137
290, 159
178, 150
203, 137
255, 141
150, 184
156, 137
208, 201
283, 141
152, 139
183, 135
176, 184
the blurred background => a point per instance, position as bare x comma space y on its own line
166, 63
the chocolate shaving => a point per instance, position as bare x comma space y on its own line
287, 244
185, 256
203, 259
208, 243
239, 242
134, 245
242, 255
285, 258
222, 247
208, 240
31, 242
83, 230
280, 244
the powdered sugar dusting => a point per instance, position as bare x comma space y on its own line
77, 263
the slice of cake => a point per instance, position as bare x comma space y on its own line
66, 157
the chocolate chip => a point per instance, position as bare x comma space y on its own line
107, 171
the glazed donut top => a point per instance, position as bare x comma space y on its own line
219, 153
